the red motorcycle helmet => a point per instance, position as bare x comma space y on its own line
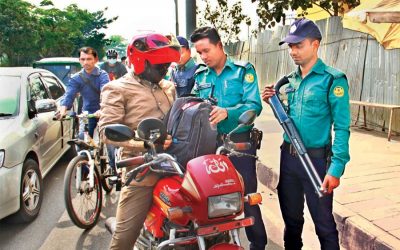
154, 48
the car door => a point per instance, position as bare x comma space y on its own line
57, 91
63, 129
47, 131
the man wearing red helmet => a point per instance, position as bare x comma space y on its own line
138, 95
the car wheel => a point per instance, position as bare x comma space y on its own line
31, 192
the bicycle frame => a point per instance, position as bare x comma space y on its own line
91, 170
90, 154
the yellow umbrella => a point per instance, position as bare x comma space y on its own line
388, 34
314, 13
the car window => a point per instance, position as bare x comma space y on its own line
63, 72
9, 100
54, 87
37, 90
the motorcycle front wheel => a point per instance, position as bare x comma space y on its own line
83, 203
144, 242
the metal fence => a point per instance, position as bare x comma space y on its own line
372, 71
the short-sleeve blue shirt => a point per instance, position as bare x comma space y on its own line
235, 88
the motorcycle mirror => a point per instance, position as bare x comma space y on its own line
152, 129
248, 117
118, 132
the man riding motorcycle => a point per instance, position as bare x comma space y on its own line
138, 95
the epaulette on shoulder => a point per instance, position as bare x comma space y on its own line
200, 68
243, 64
334, 72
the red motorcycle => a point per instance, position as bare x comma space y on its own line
193, 208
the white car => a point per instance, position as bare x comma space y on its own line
31, 142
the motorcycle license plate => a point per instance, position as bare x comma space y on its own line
226, 226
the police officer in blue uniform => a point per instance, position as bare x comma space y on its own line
318, 97
182, 75
235, 87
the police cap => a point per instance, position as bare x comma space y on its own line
300, 30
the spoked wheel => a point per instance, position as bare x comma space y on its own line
145, 241
105, 169
31, 192
82, 202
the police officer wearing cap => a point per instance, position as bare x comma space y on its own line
182, 74
318, 99
234, 84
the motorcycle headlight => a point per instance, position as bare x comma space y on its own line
1, 158
223, 205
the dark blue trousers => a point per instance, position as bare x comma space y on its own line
92, 123
293, 186
111, 156
246, 166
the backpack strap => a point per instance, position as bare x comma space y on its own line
89, 83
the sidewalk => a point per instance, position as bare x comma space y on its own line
367, 203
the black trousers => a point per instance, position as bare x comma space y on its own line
293, 186
246, 166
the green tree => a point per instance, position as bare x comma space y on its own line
118, 43
271, 12
18, 32
89, 26
225, 17
65, 31
29, 32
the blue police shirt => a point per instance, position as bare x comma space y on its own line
183, 77
91, 99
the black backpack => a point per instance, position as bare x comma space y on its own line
188, 124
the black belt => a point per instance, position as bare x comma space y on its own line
312, 152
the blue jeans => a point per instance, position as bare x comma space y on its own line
111, 156
92, 123
246, 166
293, 186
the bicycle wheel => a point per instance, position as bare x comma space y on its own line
105, 169
83, 204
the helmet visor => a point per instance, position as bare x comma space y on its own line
155, 41
163, 50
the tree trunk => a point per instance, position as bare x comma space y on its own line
335, 6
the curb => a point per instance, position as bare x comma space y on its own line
355, 232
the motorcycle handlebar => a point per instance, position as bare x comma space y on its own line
72, 115
131, 162
141, 171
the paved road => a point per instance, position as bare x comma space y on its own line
53, 229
